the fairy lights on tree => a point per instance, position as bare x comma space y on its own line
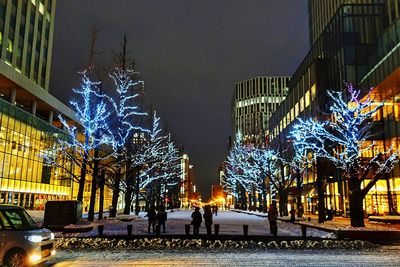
344, 140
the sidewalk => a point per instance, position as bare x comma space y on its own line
344, 223
342, 228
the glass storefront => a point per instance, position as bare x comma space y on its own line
24, 178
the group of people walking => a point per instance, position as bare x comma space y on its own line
156, 219
197, 219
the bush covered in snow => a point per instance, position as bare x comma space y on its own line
162, 243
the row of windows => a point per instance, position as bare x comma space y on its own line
262, 86
21, 38
330, 62
294, 113
22, 142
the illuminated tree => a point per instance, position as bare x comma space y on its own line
239, 176
343, 140
92, 111
127, 118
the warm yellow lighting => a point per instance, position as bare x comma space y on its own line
35, 257
41, 8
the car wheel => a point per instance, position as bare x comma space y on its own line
16, 258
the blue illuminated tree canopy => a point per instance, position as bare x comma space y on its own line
343, 139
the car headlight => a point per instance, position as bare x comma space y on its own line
34, 238
35, 257
51, 236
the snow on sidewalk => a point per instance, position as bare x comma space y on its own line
231, 223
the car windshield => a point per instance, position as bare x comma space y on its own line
16, 219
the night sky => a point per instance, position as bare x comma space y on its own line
191, 53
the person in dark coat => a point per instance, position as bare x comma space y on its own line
208, 215
152, 219
292, 215
273, 218
196, 220
161, 217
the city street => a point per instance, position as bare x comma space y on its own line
387, 256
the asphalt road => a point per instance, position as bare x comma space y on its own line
387, 256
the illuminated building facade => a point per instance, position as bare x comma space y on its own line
27, 126
28, 121
253, 103
359, 44
188, 194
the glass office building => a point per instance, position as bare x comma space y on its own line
359, 45
27, 126
25, 179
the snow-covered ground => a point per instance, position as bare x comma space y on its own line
209, 257
231, 223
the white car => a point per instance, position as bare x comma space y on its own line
22, 242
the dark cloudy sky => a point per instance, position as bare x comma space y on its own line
191, 53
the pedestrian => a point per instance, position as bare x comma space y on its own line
292, 215
272, 218
152, 219
216, 210
196, 220
161, 217
208, 218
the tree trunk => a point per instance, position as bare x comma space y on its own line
116, 190
321, 200
356, 197
129, 189
128, 197
283, 201
137, 192
93, 190
82, 179
264, 196
299, 189
390, 197
244, 199
102, 181
92, 202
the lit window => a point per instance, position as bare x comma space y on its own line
41, 8
313, 91
292, 114
10, 46
302, 104
308, 100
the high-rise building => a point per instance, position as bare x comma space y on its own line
321, 12
358, 44
26, 37
27, 111
253, 103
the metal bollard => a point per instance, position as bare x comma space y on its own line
187, 229
216, 229
129, 228
245, 229
100, 229
158, 229
304, 231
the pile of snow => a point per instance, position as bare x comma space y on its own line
161, 243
